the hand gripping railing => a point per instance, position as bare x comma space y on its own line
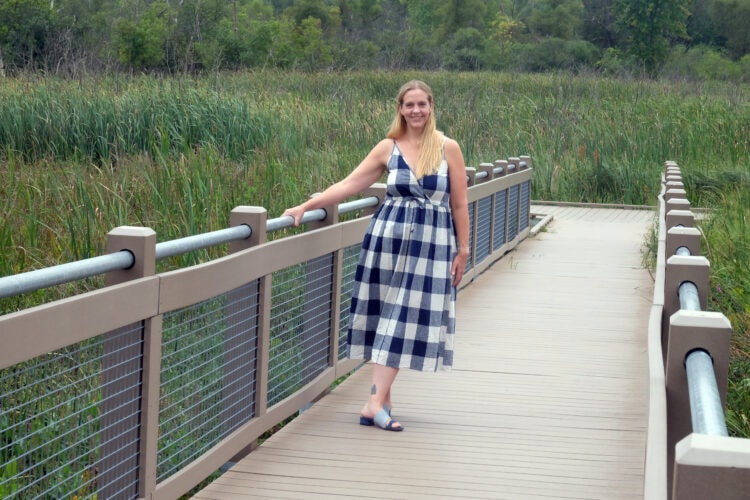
124, 259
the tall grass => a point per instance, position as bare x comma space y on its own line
727, 247
80, 158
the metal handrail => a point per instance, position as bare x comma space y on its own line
499, 170
86, 268
199, 241
65, 273
706, 410
705, 403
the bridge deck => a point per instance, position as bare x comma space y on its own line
547, 398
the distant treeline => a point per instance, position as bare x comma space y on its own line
697, 39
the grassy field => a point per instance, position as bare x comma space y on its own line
177, 154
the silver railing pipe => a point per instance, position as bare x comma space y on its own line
199, 241
706, 410
705, 403
64, 273
352, 206
30, 281
689, 296
285, 221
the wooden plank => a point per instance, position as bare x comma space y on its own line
547, 397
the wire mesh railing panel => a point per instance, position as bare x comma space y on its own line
484, 226
525, 205
67, 429
208, 373
300, 326
513, 192
348, 269
469, 263
500, 237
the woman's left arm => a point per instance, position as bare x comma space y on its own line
459, 207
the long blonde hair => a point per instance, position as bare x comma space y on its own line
431, 150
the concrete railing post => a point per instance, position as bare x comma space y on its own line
676, 204
514, 210
471, 174
675, 193
487, 169
377, 190
688, 331
683, 218
332, 217
255, 218
241, 347
316, 305
131, 365
674, 184
503, 164
141, 242
688, 237
711, 467
679, 269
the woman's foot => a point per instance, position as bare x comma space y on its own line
382, 419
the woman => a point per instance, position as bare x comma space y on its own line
414, 252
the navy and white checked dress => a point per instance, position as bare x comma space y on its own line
403, 301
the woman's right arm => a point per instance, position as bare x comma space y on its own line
362, 177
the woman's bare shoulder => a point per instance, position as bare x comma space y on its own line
449, 142
385, 144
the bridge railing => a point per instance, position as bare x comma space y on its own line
149, 385
689, 454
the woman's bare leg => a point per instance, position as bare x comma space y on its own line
380, 393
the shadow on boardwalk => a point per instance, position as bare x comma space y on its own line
547, 398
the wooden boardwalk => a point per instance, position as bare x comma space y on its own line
547, 398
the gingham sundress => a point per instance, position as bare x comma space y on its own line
403, 302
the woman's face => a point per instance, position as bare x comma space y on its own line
415, 108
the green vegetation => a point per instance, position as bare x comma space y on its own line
727, 247
697, 38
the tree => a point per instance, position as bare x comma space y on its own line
24, 27
700, 24
599, 23
140, 42
505, 34
359, 17
464, 50
195, 36
456, 14
730, 18
554, 18
649, 26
